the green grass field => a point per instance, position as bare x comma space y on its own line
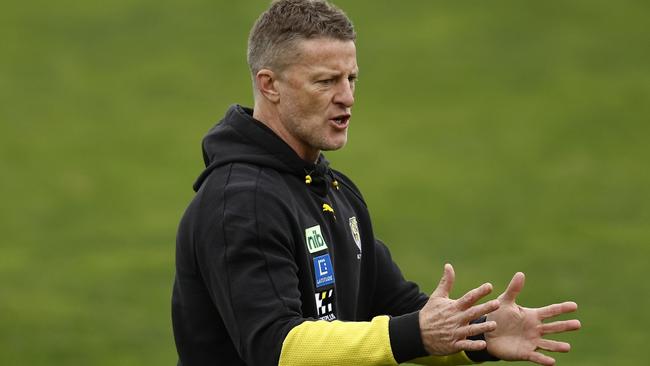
500, 136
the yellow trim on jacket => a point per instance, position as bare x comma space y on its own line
338, 343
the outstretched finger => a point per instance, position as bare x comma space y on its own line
561, 326
514, 288
541, 359
469, 345
477, 328
446, 282
553, 346
550, 311
478, 311
474, 295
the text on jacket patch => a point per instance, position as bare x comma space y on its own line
314, 239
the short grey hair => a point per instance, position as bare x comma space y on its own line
276, 31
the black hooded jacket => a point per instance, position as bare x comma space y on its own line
277, 263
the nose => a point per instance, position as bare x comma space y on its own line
345, 95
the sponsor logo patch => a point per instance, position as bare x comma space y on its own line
325, 304
323, 270
314, 239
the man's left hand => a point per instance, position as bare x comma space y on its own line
520, 331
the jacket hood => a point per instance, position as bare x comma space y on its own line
239, 138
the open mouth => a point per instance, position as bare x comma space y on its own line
341, 120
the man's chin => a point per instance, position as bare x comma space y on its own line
334, 146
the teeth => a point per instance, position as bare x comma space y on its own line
340, 120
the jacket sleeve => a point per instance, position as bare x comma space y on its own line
394, 295
403, 299
349, 343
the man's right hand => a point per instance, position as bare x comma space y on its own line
445, 323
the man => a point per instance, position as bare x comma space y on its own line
276, 260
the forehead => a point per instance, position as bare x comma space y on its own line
326, 54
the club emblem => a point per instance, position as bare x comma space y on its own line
354, 228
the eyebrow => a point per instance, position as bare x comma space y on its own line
332, 73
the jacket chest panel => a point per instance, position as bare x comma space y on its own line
330, 262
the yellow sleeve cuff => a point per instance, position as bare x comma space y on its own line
338, 343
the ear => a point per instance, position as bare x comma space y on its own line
266, 82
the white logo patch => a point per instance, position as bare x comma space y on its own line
314, 239
354, 228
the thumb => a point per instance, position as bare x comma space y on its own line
446, 282
514, 288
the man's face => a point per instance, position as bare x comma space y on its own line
317, 94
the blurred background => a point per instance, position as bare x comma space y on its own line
500, 136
